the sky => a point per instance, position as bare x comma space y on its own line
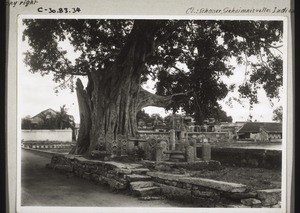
37, 93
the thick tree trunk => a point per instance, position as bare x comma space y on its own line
109, 104
83, 140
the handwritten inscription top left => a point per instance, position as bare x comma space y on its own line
24, 3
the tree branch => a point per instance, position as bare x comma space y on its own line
178, 69
69, 73
69, 70
64, 83
167, 35
149, 99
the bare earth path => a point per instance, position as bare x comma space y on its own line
45, 187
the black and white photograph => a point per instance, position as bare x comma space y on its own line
152, 112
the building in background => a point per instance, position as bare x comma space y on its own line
260, 131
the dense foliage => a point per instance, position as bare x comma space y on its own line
188, 56
277, 114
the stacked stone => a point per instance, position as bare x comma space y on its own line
208, 192
116, 175
60, 163
261, 198
205, 192
181, 187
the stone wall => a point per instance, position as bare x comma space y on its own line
116, 175
211, 137
152, 134
47, 145
258, 158
64, 135
122, 176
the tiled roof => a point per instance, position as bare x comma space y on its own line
45, 112
273, 127
254, 127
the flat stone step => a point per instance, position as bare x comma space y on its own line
137, 177
203, 182
148, 198
141, 184
251, 202
141, 171
147, 192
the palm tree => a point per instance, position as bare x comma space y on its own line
64, 120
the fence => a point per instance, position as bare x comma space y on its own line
63, 135
146, 135
211, 137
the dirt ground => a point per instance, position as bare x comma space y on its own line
44, 187
254, 178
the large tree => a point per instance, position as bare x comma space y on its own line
186, 57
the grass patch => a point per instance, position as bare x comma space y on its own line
255, 178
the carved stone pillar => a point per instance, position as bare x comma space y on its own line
172, 139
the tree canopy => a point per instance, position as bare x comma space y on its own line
277, 114
187, 56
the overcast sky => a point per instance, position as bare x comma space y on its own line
36, 93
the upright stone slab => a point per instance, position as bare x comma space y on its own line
114, 148
122, 143
151, 148
109, 140
206, 151
182, 134
190, 154
181, 146
172, 139
193, 143
165, 148
158, 152
101, 142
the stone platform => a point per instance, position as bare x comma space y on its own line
148, 183
199, 165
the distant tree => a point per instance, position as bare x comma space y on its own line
63, 120
143, 116
149, 119
26, 122
157, 118
277, 114
168, 118
219, 115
